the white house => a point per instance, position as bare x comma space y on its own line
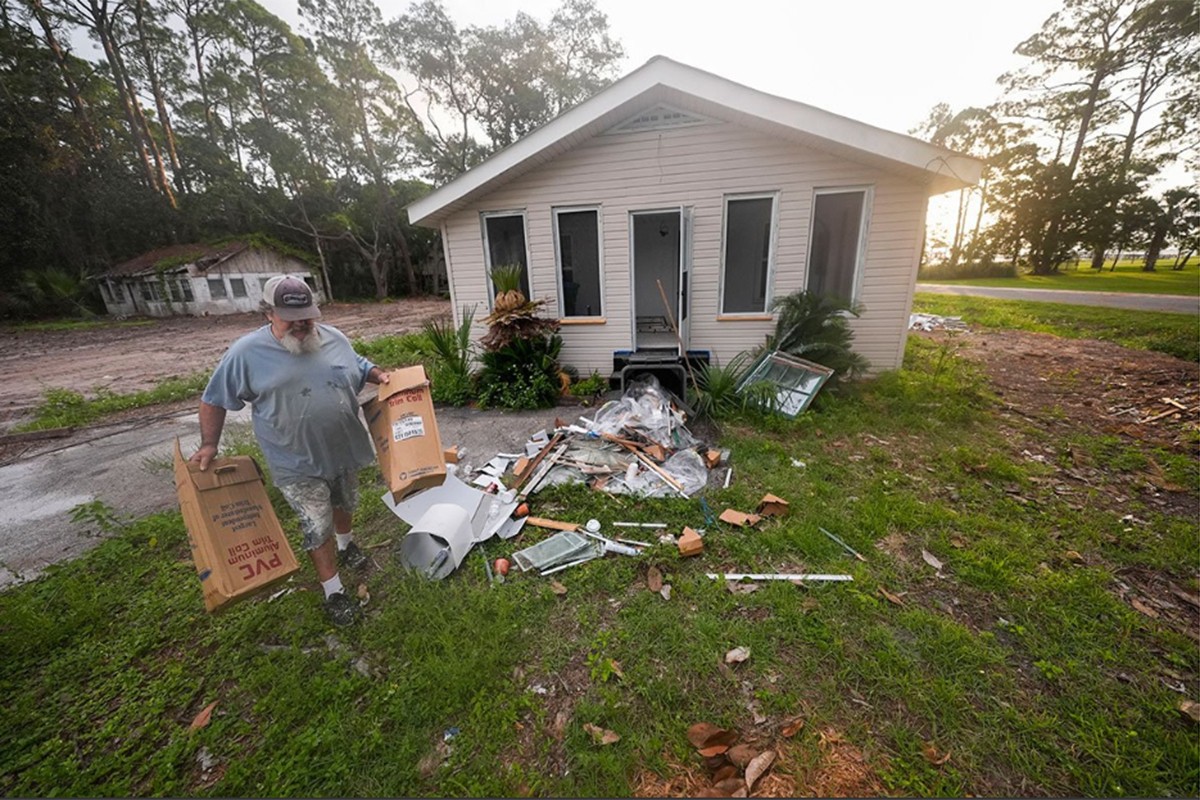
724, 196
199, 279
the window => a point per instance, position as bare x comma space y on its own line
748, 254
579, 262
186, 285
835, 246
173, 288
216, 289
238, 285
262, 285
504, 240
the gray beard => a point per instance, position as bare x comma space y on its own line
306, 346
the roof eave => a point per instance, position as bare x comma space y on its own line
943, 169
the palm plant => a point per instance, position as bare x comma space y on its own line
716, 394
451, 353
814, 327
513, 316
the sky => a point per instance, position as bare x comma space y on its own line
884, 62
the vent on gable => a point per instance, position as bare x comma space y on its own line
657, 118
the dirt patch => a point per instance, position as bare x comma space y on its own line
131, 358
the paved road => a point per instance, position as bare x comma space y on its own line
1174, 303
128, 467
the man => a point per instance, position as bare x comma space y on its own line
302, 381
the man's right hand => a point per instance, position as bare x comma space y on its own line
204, 456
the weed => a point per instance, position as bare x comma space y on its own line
68, 408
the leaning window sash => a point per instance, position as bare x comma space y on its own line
795, 381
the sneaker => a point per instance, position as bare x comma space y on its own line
341, 609
352, 557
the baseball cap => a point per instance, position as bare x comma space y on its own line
291, 298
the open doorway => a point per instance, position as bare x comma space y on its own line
659, 248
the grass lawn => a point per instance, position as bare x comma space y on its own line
1127, 277
1018, 659
1174, 334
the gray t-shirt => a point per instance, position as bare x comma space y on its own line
304, 407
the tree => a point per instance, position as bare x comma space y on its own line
482, 88
1171, 218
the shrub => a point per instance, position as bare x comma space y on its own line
814, 327
590, 386
978, 269
521, 374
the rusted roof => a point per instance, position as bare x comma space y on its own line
180, 255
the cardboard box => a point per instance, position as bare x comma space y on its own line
237, 543
405, 432
690, 543
772, 506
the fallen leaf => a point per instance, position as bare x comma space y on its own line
615, 666
728, 786
741, 755
756, 768
931, 755
654, 579
1074, 555
1143, 608
559, 729
792, 727
891, 598
665, 591
715, 750
364, 595
737, 655
705, 734
931, 560
1190, 710
737, 587
601, 736
726, 671
830, 736
726, 771
204, 717
558, 588
958, 542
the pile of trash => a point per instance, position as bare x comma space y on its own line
933, 322
636, 445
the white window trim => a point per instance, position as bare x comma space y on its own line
487, 249
868, 193
773, 196
562, 306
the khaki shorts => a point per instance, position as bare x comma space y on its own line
314, 499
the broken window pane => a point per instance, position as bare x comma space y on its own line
794, 381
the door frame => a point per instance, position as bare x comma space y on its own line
683, 275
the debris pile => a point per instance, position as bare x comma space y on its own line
636, 445
933, 322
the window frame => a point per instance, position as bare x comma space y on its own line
233, 290
868, 194
484, 216
772, 255
220, 280
558, 265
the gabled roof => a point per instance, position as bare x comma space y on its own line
663, 81
179, 256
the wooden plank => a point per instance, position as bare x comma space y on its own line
35, 436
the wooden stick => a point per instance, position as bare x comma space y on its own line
552, 524
775, 576
678, 336
537, 460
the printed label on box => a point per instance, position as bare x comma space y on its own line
409, 427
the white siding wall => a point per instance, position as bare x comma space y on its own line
697, 167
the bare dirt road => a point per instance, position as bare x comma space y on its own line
131, 358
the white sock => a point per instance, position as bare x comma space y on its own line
332, 586
344, 539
